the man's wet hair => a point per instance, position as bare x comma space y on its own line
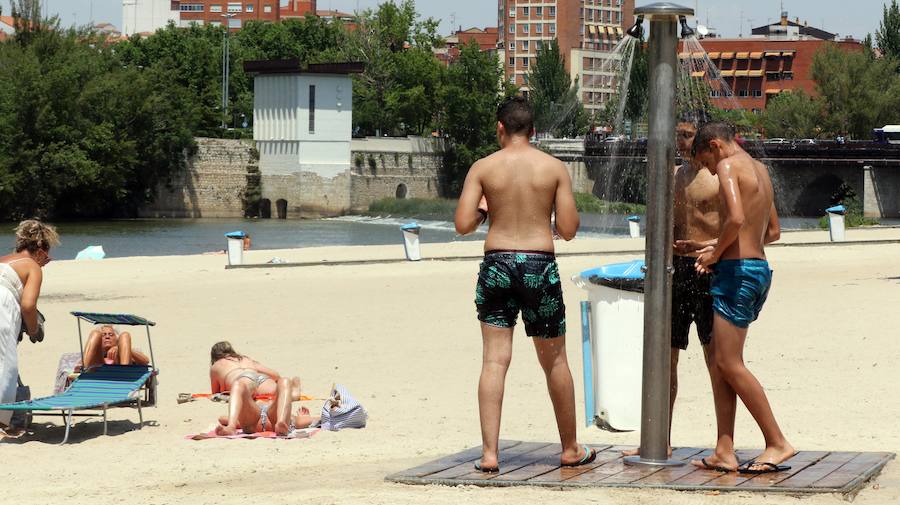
516, 115
720, 130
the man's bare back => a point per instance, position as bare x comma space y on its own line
746, 185
520, 185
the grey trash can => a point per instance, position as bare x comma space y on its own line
836, 222
411, 233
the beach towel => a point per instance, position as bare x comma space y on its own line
67, 363
294, 434
342, 410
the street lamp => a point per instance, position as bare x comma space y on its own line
226, 68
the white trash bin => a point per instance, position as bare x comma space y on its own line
836, 222
634, 226
235, 247
411, 241
615, 354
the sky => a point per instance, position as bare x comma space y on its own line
725, 16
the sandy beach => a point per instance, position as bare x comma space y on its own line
403, 338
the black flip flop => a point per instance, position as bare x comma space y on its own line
716, 468
487, 469
589, 456
769, 468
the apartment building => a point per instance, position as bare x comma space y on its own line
587, 32
147, 16
227, 13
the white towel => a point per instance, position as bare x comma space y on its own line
10, 325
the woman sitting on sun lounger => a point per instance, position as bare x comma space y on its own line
106, 346
244, 378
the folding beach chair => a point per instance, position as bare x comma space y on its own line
101, 388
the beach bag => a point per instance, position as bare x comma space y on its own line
342, 410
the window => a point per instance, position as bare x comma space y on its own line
552, 10
714, 93
191, 7
267, 9
525, 78
539, 45
525, 45
249, 8
512, 12
234, 23
525, 11
757, 93
525, 62
552, 27
215, 23
538, 28
512, 29
512, 47
744, 93
312, 108
235, 8
539, 12
524, 28
215, 8
512, 62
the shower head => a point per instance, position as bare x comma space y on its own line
637, 31
686, 31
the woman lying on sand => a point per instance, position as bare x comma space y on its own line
244, 378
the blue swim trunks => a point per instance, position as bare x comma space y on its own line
739, 289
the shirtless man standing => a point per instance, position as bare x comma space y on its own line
696, 212
740, 284
522, 187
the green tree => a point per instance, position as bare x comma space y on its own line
81, 134
859, 93
390, 40
793, 115
474, 88
557, 109
888, 33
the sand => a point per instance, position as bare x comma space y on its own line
404, 339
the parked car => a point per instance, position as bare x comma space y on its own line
777, 141
807, 142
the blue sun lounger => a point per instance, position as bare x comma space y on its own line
103, 387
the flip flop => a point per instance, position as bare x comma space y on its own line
487, 469
589, 456
717, 468
769, 468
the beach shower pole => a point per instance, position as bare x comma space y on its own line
662, 44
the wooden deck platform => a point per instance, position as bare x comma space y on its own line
537, 464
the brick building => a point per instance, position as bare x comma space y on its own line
486, 39
777, 59
222, 12
587, 32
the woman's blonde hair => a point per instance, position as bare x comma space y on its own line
33, 235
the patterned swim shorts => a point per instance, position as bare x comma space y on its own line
514, 281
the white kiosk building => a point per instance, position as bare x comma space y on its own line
302, 125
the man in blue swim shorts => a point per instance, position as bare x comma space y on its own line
740, 284
522, 186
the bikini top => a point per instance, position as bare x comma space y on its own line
10, 280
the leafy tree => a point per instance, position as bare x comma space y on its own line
475, 86
554, 95
859, 93
391, 40
888, 33
81, 134
794, 115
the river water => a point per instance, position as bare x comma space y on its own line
163, 237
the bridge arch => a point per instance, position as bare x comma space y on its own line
281, 206
823, 192
265, 208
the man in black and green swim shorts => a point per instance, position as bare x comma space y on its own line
522, 186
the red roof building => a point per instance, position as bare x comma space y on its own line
227, 13
297, 9
486, 39
7, 27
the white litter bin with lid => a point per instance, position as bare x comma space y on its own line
411, 241
615, 354
235, 247
634, 226
836, 222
